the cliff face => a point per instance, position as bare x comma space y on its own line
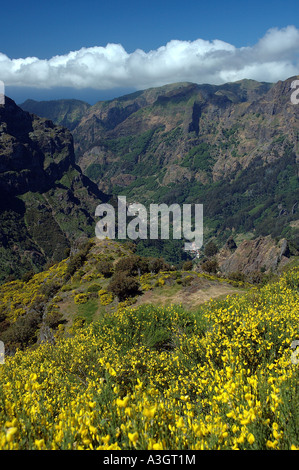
254, 256
34, 152
45, 200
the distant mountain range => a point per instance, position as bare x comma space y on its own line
232, 147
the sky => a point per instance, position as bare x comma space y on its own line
94, 50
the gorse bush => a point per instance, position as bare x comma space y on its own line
163, 378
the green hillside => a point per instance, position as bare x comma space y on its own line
111, 374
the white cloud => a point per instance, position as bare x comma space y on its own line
274, 57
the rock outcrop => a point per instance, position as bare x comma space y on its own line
259, 255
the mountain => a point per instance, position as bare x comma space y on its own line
232, 147
45, 201
67, 113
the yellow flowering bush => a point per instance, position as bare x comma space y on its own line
163, 378
80, 298
106, 298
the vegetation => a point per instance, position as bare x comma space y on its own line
123, 285
222, 377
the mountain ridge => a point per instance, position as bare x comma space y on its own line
46, 201
221, 145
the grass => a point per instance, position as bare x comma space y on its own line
88, 310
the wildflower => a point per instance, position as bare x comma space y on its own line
10, 433
106, 439
39, 443
149, 412
122, 403
133, 437
180, 423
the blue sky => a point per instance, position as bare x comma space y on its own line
176, 39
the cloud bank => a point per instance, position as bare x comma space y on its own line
274, 57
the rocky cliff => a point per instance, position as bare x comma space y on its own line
45, 200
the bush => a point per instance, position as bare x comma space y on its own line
187, 266
27, 276
105, 267
124, 286
210, 249
80, 298
237, 276
158, 264
50, 289
132, 265
53, 319
93, 288
22, 333
106, 298
210, 266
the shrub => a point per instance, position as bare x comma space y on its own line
132, 265
123, 286
50, 289
77, 260
158, 264
210, 266
53, 318
237, 276
106, 298
187, 266
210, 249
105, 267
79, 322
80, 298
93, 288
27, 276
22, 333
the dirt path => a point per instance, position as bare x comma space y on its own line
189, 297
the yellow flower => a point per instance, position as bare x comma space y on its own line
180, 423
122, 403
133, 437
39, 443
106, 439
10, 433
250, 438
150, 412
158, 446
271, 444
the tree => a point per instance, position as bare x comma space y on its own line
210, 266
210, 249
123, 285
